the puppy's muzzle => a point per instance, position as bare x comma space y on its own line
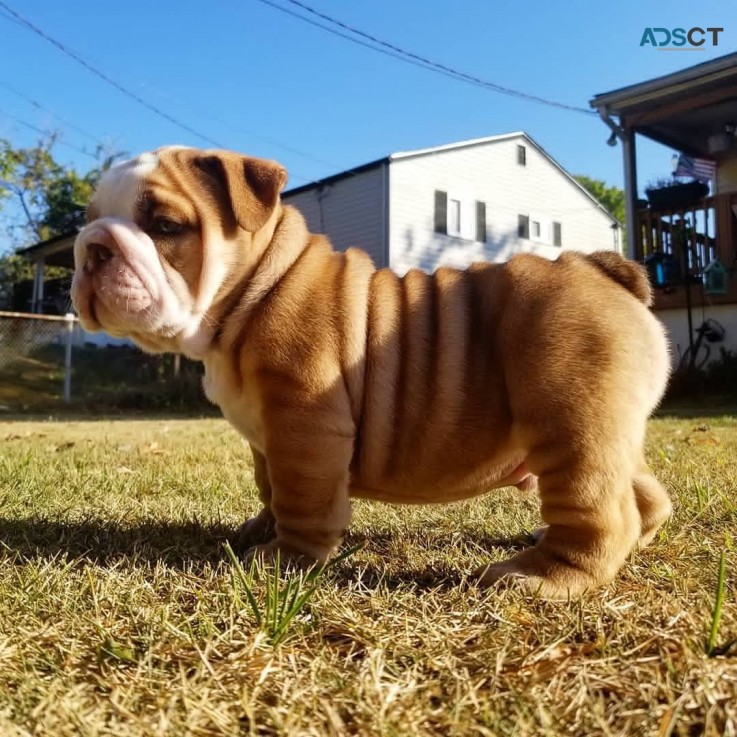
98, 249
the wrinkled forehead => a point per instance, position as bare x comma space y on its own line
121, 188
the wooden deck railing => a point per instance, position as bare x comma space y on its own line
708, 229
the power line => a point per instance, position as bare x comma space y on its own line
416, 59
43, 132
39, 106
128, 93
346, 36
102, 144
16, 17
10, 18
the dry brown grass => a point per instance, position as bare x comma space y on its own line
119, 613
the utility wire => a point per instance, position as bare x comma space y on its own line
10, 18
39, 106
16, 17
128, 93
411, 57
43, 132
346, 36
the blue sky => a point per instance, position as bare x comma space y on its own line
256, 80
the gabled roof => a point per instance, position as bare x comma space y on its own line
402, 155
460, 144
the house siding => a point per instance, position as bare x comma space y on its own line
350, 211
488, 173
676, 325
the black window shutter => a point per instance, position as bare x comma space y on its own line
481, 222
523, 226
557, 235
441, 211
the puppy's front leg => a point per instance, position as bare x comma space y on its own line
308, 468
258, 529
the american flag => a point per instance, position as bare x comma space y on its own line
701, 169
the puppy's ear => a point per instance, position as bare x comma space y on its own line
247, 189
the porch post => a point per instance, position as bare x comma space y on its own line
38, 287
630, 190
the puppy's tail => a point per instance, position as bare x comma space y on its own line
629, 274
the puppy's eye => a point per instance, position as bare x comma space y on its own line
164, 226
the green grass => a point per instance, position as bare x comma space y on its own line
122, 614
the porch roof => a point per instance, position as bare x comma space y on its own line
681, 110
56, 251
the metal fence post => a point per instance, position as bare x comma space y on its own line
70, 319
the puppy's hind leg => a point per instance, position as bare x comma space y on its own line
653, 503
588, 503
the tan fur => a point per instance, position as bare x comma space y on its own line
353, 382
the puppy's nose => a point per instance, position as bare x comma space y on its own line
97, 254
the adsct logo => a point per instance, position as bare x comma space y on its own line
680, 39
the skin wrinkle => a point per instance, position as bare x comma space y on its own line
358, 448
340, 277
400, 389
353, 382
251, 311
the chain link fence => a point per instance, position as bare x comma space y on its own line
48, 362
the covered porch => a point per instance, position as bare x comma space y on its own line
693, 112
686, 243
57, 251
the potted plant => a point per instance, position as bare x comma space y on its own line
672, 194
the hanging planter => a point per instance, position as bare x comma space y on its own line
674, 195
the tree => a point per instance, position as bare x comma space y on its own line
39, 198
49, 198
612, 198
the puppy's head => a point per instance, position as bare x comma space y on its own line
167, 234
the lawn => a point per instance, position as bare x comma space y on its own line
121, 614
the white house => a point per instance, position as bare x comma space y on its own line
484, 199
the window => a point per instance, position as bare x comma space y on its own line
454, 217
521, 155
481, 222
523, 226
441, 211
536, 230
557, 235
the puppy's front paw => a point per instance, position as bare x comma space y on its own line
275, 552
258, 529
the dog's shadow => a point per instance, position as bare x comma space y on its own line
431, 576
176, 544
187, 545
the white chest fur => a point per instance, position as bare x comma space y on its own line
240, 406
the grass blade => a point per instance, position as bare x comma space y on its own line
245, 582
711, 645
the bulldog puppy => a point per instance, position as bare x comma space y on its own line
348, 381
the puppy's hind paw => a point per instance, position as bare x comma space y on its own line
540, 578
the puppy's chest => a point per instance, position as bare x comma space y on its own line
240, 405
